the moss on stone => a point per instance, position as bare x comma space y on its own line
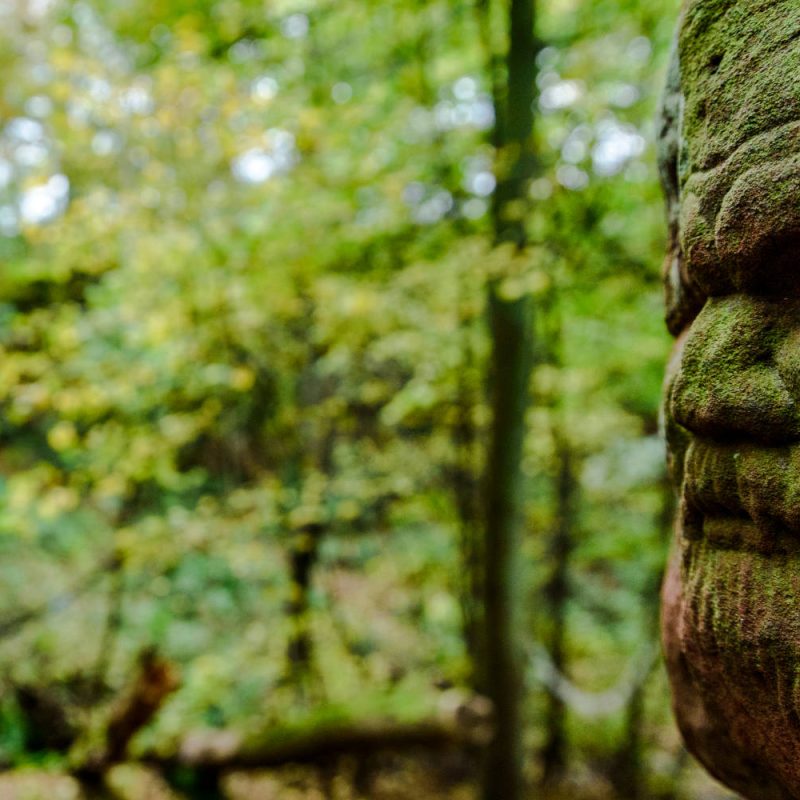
739, 64
739, 170
730, 384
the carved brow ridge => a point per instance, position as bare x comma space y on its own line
754, 142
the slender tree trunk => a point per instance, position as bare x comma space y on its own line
511, 343
466, 485
628, 777
302, 558
312, 448
556, 596
509, 326
111, 630
628, 773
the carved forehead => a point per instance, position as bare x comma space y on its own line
740, 74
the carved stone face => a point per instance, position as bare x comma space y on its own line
730, 163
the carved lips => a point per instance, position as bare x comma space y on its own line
737, 394
733, 498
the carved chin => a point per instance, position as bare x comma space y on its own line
731, 629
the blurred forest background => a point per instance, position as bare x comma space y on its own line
247, 436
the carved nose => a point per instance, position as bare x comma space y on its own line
739, 376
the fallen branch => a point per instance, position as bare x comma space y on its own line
467, 724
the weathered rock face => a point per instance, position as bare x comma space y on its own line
730, 164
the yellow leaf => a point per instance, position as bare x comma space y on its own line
62, 435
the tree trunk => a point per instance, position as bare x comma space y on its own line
556, 597
511, 344
302, 559
628, 773
466, 492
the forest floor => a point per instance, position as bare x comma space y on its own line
399, 781
129, 782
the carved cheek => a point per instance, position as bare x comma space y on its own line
758, 228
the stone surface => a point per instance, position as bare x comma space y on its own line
729, 140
